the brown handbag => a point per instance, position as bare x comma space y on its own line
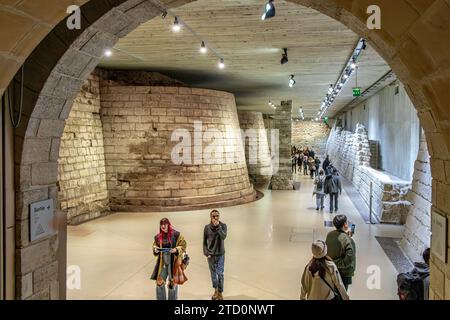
178, 273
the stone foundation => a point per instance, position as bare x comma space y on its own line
311, 134
417, 234
256, 145
350, 154
139, 124
81, 165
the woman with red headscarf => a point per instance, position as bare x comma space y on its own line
169, 245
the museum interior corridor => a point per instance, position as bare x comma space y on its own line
118, 113
268, 245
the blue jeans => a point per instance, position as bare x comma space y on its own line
161, 290
335, 196
217, 268
319, 200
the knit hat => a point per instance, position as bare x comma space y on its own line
319, 249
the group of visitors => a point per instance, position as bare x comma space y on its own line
329, 273
328, 183
169, 247
327, 276
305, 160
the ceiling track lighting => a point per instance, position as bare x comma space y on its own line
269, 10
221, 63
176, 25
292, 81
350, 67
203, 48
284, 57
179, 24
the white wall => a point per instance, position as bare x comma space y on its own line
392, 120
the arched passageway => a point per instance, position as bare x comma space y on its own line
410, 40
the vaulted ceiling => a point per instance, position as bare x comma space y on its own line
318, 49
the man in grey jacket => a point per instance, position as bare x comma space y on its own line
214, 235
333, 187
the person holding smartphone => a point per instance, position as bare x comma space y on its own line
168, 245
214, 236
342, 249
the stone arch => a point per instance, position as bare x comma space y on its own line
57, 67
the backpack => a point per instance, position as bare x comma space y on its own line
411, 285
319, 184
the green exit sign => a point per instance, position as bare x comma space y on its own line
357, 92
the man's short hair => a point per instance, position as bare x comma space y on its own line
339, 221
426, 256
213, 211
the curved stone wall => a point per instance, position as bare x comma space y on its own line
142, 129
257, 153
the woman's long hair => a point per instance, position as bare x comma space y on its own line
170, 231
319, 265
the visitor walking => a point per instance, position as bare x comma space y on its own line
318, 190
326, 163
169, 245
317, 163
342, 249
299, 161
305, 165
312, 167
294, 162
321, 279
333, 188
312, 154
214, 236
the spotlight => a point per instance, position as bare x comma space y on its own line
203, 47
292, 82
107, 53
284, 58
330, 90
164, 14
176, 25
269, 11
364, 46
345, 76
221, 64
353, 65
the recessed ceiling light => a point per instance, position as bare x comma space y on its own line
107, 53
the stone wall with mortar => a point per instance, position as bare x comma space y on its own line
138, 123
350, 154
282, 178
311, 134
64, 58
417, 235
257, 153
81, 165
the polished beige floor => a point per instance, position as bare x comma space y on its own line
267, 248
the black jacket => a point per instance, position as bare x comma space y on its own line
325, 165
213, 239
